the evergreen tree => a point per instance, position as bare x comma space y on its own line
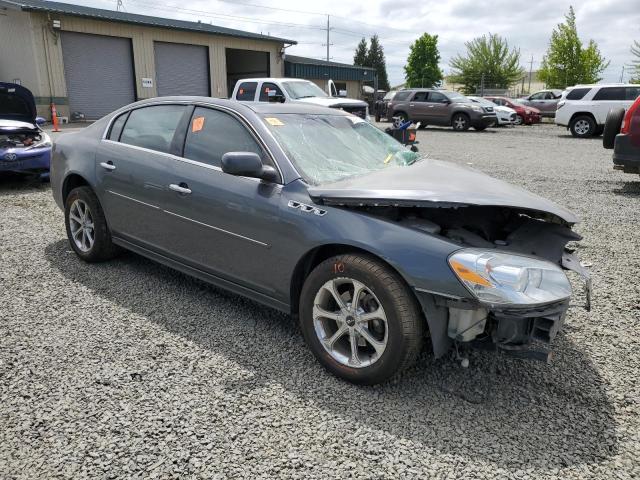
375, 59
422, 69
567, 62
489, 61
362, 51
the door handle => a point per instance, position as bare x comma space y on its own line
182, 188
431, 106
411, 105
108, 165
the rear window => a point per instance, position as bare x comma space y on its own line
116, 127
577, 93
401, 96
247, 91
611, 93
152, 127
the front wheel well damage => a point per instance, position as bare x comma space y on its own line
315, 257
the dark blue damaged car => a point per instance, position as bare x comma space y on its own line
374, 249
24, 147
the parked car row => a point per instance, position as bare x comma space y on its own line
446, 108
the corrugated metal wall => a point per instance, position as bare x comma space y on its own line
98, 72
181, 69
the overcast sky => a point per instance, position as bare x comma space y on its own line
526, 24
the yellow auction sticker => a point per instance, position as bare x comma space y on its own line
273, 121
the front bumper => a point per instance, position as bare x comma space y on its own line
626, 155
25, 161
532, 118
485, 120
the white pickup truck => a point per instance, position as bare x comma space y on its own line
296, 90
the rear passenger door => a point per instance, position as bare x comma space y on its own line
132, 165
220, 223
607, 98
418, 106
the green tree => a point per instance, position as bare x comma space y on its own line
362, 51
422, 68
376, 59
489, 62
635, 51
567, 62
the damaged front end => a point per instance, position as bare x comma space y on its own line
511, 260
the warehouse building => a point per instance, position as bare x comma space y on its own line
93, 61
346, 77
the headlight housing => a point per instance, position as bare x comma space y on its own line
45, 141
476, 108
501, 278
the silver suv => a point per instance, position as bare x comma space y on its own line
442, 108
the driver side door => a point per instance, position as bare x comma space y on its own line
223, 224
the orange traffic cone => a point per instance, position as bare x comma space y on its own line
54, 117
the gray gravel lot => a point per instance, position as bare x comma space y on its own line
129, 369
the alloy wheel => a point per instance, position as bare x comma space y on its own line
582, 127
81, 225
350, 322
459, 123
519, 120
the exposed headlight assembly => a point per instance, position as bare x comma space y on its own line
503, 278
44, 142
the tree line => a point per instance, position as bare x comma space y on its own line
490, 60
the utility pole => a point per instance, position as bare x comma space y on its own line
482, 85
530, 74
119, 5
328, 28
622, 74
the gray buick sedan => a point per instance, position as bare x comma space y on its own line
373, 248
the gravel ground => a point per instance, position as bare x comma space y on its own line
129, 369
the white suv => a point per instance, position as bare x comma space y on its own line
583, 109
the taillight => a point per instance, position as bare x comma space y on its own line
633, 110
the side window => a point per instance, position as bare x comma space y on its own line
420, 97
267, 88
577, 93
437, 97
247, 91
611, 93
538, 96
213, 133
549, 96
116, 127
400, 96
633, 93
152, 127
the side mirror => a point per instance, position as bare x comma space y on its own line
40, 121
247, 164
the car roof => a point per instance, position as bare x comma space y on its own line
256, 107
273, 79
593, 85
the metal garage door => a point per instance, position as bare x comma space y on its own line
181, 69
99, 73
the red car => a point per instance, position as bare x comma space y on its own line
525, 114
622, 133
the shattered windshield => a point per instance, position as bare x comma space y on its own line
328, 148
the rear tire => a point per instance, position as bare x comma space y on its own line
402, 115
87, 228
385, 311
612, 127
582, 126
460, 122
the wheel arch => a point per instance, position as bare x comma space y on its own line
581, 114
71, 181
319, 254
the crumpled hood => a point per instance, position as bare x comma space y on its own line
333, 101
17, 103
434, 183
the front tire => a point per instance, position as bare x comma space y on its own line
519, 120
360, 319
460, 122
87, 229
582, 126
